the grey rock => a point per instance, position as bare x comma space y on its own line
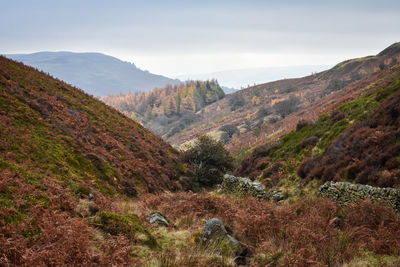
216, 238
242, 186
158, 219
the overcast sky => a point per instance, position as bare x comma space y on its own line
178, 37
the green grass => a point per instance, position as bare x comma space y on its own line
128, 225
290, 149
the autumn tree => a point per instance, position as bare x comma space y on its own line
210, 161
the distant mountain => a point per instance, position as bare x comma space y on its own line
243, 78
95, 73
228, 90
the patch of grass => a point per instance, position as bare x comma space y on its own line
128, 225
272, 258
43, 200
369, 259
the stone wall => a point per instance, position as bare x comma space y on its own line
244, 187
344, 192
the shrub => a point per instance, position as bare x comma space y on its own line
288, 106
229, 129
209, 159
334, 85
301, 124
263, 111
236, 102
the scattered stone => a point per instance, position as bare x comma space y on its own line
242, 186
216, 238
275, 195
344, 192
159, 219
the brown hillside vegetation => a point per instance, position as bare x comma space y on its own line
366, 153
168, 110
70, 167
48, 125
65, 160
311, 232
264, 111
358, 141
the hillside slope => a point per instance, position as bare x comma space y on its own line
66, 161
168, 110
48, 125
264, 111
356, 142
69, 166
95, 73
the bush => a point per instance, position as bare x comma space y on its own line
263, 112
236, 102
333, 86
229, 129
288, 106
301, 124
210, 161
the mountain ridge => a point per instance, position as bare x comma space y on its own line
96, 73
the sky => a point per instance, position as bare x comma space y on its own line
180, 37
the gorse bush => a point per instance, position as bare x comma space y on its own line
210, 161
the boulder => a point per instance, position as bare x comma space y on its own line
216, 238
159, 219
275, 195
344, 192
241, 186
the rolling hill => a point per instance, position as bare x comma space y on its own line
64, 155
272, 109
79, 181
95, 73
168, 110
357, 141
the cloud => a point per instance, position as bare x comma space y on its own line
202, 34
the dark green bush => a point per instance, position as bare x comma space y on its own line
210, 161
287, 106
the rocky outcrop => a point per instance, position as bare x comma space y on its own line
216, 238
242, 186
159, 219
344, 192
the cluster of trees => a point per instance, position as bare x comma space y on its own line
168, 101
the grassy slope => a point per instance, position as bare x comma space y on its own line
59, 147
277, 163
58, 130
310, 90
48, 219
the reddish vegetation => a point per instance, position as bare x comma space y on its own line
110, 141
367, 153
44, 229
307, 89
58, 148
369, 137
314, 232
